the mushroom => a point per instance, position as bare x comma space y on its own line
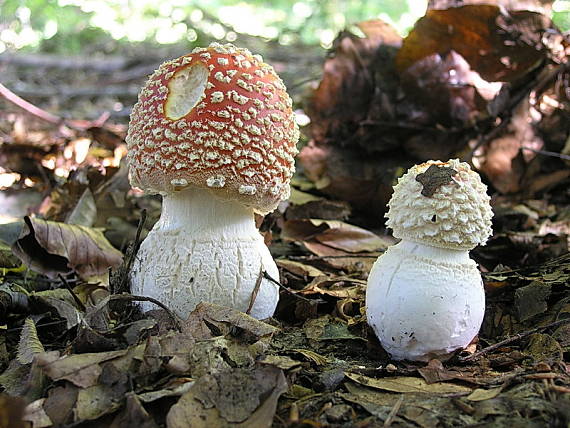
213, 132
425, 296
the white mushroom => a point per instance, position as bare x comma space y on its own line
425, 296
214, 133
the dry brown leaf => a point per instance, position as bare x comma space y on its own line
224, 319
407, 384
82, 370
335, 234
234, 398
499, 47
134, 414
340, 287
480, 394
36, 415
298, 268
54, 248
11, 411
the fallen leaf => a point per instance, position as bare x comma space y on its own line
406, 384
133, 414
175, 391
54, 248
82, 370
60, 404
481, 394
96, 401
280, 361
335, 234
316, 358
234, 398
62, 302
482, 34
85, 211
328, 328
208, 315
11, 412
36, 415
298, 268
340, 287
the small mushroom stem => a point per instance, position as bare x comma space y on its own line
205, 249
443, 255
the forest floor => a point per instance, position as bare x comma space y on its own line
76, 351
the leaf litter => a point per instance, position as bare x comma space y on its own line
75, 350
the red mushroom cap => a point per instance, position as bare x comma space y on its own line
217, 118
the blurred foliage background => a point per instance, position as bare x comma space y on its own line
70, 26
74, 26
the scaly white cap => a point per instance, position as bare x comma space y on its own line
442, 204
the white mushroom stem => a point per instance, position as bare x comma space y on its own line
424, 302
205, 249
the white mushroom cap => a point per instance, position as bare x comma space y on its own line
220, 119
447, 207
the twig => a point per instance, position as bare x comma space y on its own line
131, 253
395, 409
79, 125
348, 256
546, 153
133, 298
255, 290
512, 339
106, 64
267, 276
75, 298
29, 107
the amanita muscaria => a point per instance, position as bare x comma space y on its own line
425, 296
213, 132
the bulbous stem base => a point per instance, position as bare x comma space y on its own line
204, 249
424, 302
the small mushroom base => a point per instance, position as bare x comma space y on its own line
424, 302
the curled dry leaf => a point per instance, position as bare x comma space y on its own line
209, 320
340, 287
234, 398
300, 269
54, 248
11, 411
499, 46
335, 234
407, 384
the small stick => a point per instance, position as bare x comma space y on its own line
75, 298
512, 339
255, 290
348, 256
267, 276
392, 415
133, 298
29, 107
132, 252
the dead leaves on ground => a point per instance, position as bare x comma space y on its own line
497, 76
210, 369
53, 249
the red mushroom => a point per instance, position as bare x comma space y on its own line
213, 132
